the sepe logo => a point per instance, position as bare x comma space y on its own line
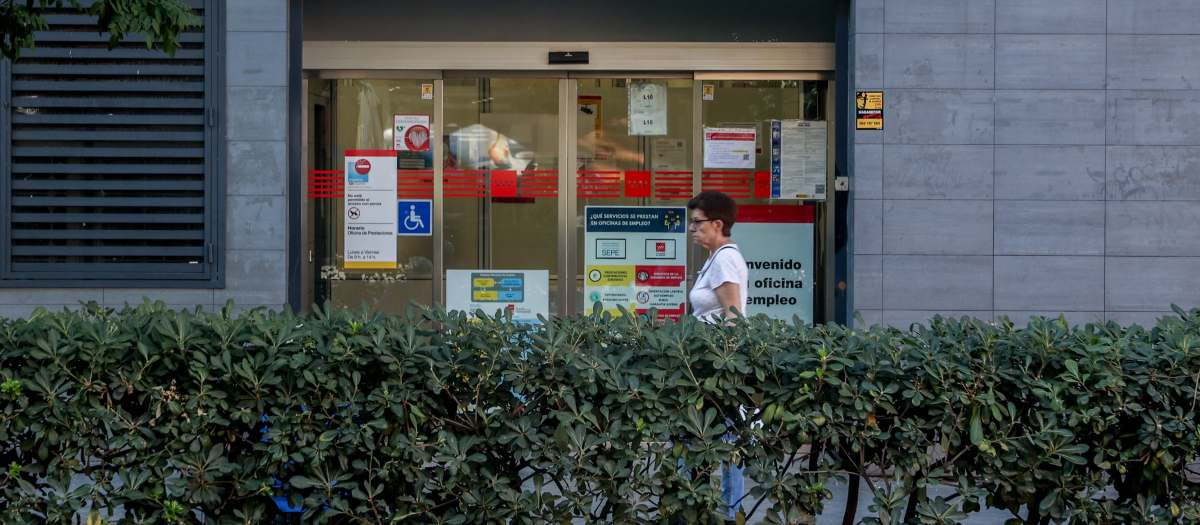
417, 138
363, 166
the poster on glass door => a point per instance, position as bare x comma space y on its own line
777, 243
636, 257
647, 109
369, 235
410, 132
799, 159
526, 293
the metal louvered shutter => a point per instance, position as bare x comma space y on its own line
112, 172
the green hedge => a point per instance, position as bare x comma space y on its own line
438, 417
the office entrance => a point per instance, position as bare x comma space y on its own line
504, 178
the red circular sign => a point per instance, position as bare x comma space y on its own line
363, 166
417, 138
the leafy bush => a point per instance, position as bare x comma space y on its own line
436, 417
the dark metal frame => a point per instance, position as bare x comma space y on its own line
843, 242
215, 168
295, 188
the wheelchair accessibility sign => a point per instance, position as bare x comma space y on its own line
416, 218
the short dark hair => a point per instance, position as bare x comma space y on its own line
716, 206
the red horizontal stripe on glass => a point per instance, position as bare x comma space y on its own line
726, 173
327, 173
789, 213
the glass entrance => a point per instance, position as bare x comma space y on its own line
506, 169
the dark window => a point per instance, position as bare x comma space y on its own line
113, 159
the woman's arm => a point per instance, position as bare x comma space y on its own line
730, 295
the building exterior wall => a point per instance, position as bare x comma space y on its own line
256, 125
1036, 158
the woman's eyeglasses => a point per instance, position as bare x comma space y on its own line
695, 223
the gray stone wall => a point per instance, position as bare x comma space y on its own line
256, 171
1037, 157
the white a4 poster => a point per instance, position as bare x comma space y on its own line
647, 109
369, 238
636, 257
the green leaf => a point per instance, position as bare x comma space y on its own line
976, 428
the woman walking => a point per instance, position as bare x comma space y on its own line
721, 290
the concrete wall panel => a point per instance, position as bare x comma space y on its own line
1156, 173
868, 60
1050, 117
1050, 172
1050, 61
939, 117
941, 227
937, 283
1149, 284
1058, 284
1153, 17
1153, 62
1058, 16
940, 61
1153, 118
938, 172
868, 282
1152, 228
868, 171
868, 227
868, 16
939, 16
1049, 228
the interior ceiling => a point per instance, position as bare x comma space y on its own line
570, 21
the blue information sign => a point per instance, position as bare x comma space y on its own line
416, 218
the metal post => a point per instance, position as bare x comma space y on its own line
568, 208
830, 204
694, 253
439, 260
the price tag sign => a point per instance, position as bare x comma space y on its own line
647, 109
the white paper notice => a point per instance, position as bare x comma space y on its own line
802, 159
369, 237
410, 132
647, 109
729, 148
670, 155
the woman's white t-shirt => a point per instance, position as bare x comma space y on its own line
725, 266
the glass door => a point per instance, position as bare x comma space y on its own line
500, 187
779, 184
634, 164
357, 115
